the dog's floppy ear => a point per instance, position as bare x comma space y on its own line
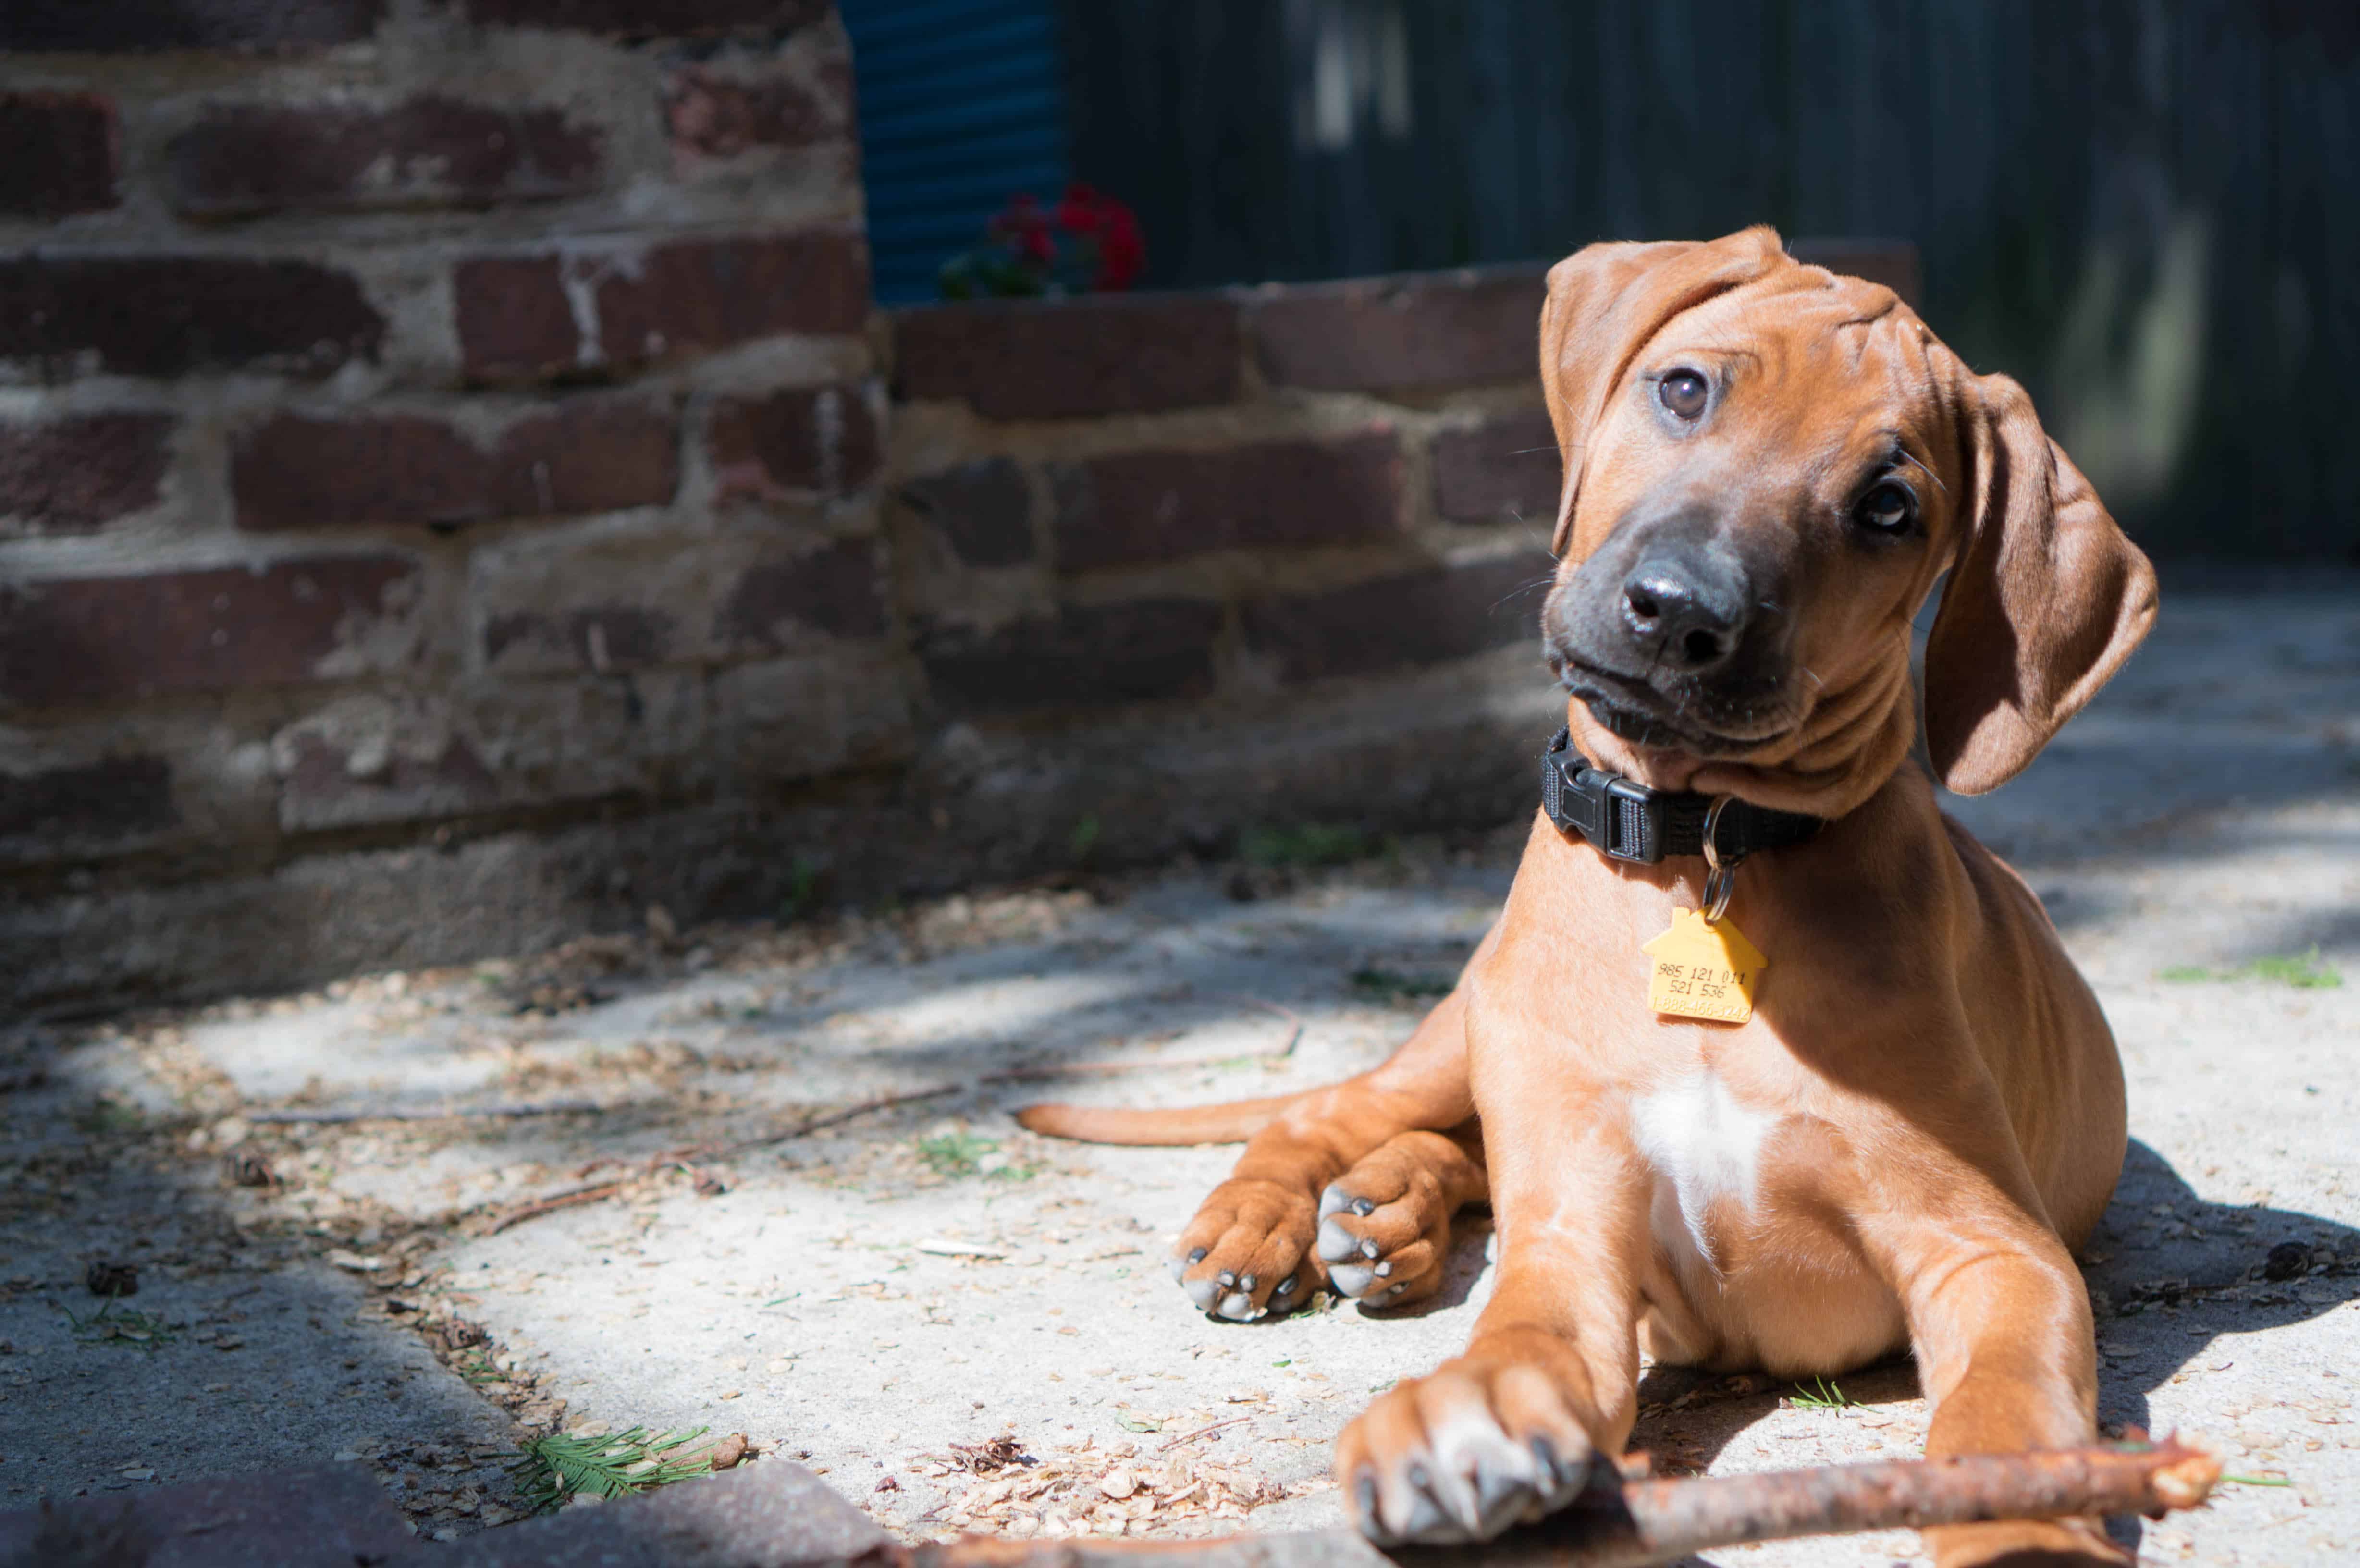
1604, 302
2047, 598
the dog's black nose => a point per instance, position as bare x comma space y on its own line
1681, 619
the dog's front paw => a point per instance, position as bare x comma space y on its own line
1249, 1250
1385, 1228
1489, 1440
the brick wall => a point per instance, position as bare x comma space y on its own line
455, 492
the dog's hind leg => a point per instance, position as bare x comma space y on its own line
1251, 1246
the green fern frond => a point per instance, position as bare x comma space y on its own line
550, 1471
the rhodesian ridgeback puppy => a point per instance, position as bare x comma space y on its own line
1920, 1117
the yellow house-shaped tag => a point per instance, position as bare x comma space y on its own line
1700, 971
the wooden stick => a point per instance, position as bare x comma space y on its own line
551, 1204
1644, 1522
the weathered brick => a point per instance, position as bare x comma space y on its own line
1429, 330
693, 295
1892, 262
1104, 355
983, 510
99, 639
715, 114
803, 438
122, 797
59, 153
368, 758
598, 637
1419, 617
246, 159
836, 589
169, 315
1162, 506
1506, 467
801, 717
126, 26
586, 455
1145, 650
644, 18
71, 476
515, 322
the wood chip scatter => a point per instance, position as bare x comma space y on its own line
1082, 1489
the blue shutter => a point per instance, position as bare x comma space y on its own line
962, 106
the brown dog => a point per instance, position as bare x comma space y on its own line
1767, 469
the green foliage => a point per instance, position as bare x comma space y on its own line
1308, 844
1821, 1395
803, 889
550, 1471
1083, 839
114, 1324
107, 1114
956, 1154
1385, 984
2303, 971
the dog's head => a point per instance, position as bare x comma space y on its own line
1767, 468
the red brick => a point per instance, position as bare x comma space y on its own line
1146, 650
1419, 617
59, 153
692, 294
121, 797
1162, 506
836, 589
1506, 467
515, 322
98, 639
169, 315
246, 159
647, 18
130, 27
714, 116
806, 438
1892, 262
1424, 330
586, 455
1068, 358
983, 509
73, 474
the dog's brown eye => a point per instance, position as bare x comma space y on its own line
1683, 392
1887, 508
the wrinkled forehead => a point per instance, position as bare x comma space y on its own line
1832, 350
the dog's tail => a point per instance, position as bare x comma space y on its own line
1232, 1123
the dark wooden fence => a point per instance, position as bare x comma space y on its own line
2148, 209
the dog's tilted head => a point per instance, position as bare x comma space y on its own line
1767, 468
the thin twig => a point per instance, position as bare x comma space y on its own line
687, 1156
435, 1112
555, 1201
1168, 1447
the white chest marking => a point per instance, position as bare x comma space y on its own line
1704, 1146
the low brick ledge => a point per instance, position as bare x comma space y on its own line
1124, 353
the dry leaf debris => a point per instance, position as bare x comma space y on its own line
1082, 1489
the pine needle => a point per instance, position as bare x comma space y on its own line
550, 1471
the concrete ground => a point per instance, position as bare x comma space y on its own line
889, 1296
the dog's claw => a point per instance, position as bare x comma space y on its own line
1286, 1287
1363, 1207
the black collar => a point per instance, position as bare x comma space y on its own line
1631, 822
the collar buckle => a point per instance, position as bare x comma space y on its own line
1623, 819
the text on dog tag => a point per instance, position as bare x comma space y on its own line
1700, 971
